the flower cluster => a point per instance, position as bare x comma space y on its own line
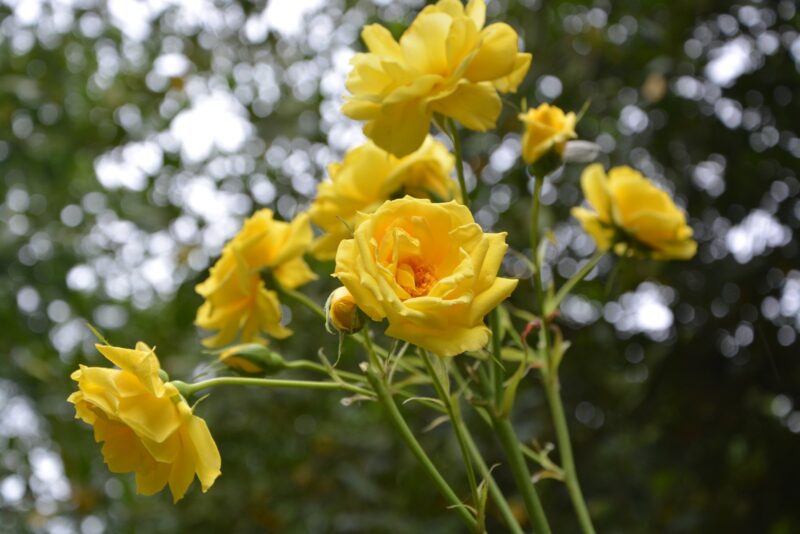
407, 251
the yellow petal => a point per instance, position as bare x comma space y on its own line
208, 460
294, 273
360, 284
400, 129
476, 10
141, 362
182, 472
152, 478
497, 54
510, 83
456, 341
595, 187
149, 416
423, 43
592, 225
379, 41
490, 298
475, 105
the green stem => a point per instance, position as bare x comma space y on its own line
313, 366
453, 133
565, 451
405, 432
494, 490
496, 371
458, 424
302, 299
572, 282
550, 375
522, 475
190, 389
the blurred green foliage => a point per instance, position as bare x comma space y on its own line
135, 137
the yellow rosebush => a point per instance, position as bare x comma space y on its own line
427, 268
367, 177
446, 62
546, 128
237, 301
146, 426
632, 215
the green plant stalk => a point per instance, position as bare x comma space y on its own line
496, 370
565, 451
304, 300
313, 366
457, 422
535, 208
522, 475
462, 181
494, 490
550, 377
190, 389
564, 290
385, 398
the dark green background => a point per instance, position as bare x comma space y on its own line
687, 429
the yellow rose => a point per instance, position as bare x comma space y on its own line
146, 426
341, 313
367, 177
546, 128
237, 301
633, 216
428, 269
446, 62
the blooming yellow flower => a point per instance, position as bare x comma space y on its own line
428, 269
446, 62
367, 177
633, 216
546, 128
146, 426
342, 314
237, 301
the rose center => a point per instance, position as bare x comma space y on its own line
416, 278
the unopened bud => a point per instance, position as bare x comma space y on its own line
342, 313
578, 151
252, 359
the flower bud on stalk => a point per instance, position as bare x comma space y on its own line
342, 313
252, 359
